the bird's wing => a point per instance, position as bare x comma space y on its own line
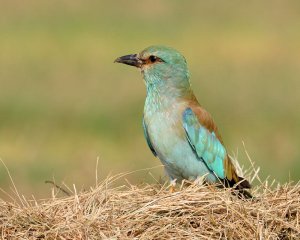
205, 143
203, 137
148, 139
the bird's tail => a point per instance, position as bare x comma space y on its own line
243, 183
241, 186
236, 182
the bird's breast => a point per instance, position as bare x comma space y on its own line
165, 127
168, 139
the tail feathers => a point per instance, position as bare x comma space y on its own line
241, 185
234, 181
244, 194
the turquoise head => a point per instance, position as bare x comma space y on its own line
164, 69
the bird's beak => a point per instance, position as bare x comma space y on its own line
131, 60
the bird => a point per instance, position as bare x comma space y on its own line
178, 130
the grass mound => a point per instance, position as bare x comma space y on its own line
152, 212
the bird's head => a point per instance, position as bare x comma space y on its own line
161, 67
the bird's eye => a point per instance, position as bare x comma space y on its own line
152, 58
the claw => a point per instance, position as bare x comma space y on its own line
172, 185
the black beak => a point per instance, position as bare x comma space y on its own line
131, 60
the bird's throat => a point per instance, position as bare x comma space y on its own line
160, 98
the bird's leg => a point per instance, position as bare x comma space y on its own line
172, 185
199, 180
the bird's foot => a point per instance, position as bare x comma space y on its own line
172, 185
199, 180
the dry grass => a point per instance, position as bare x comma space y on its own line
152, 212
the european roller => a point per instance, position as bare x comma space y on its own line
178, 130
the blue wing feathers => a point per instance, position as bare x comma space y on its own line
205, 143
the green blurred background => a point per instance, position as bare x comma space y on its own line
63, 102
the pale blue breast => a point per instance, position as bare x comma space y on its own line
168, 139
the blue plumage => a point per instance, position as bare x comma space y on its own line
177, 129
206, 145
